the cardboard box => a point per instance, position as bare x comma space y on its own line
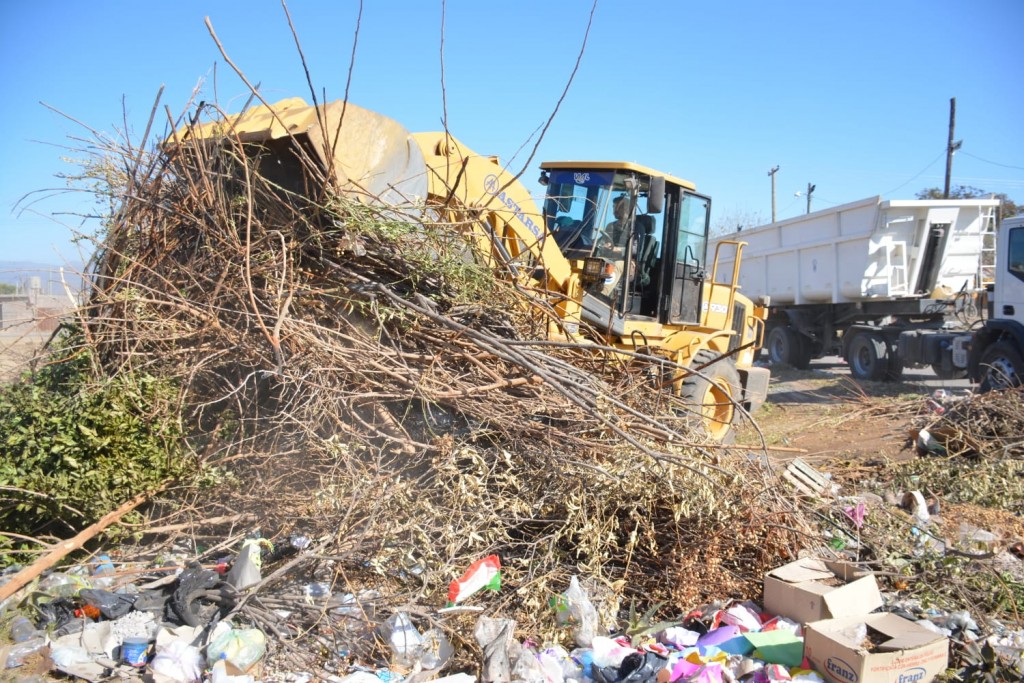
812, 589
904, 652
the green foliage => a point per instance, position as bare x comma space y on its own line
1009, 207
995, 484
982, 664
439, 260
6, 288
74, 449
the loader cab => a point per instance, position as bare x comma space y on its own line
640, 235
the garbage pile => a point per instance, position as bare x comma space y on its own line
820, 622
985, 425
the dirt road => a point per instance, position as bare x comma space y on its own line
822, 413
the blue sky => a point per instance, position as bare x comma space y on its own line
850, 96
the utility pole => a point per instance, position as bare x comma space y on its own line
772, 174
951, 146
810, 191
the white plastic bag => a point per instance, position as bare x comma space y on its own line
402, 637
179, 662
580, 612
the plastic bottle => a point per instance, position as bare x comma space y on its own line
22, 629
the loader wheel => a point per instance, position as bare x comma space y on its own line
868, 356
714, 396
786, 346
1002, 367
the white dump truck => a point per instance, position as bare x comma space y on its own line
851, 279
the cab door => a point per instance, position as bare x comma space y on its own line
687, 230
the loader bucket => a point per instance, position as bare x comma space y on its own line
362, 154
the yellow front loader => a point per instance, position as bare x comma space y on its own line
617, 253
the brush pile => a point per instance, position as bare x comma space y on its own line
353, 376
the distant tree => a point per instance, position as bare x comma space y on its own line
1010, 207
737, 219
6, 288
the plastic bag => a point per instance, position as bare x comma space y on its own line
435, 650
110, 605
577, 609
402, 637
16, 655
179, 661
241, 647
246, 570
855, 634
494, 636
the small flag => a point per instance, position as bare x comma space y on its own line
484, 573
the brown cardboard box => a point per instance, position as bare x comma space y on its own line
905, 652
799, 591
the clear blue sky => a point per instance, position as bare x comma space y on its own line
851, 96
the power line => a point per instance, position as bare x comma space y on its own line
918, 174
994, 163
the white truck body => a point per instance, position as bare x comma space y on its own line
870, 249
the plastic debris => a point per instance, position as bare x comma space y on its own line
484, 573
246, 570
575, 608
178, 662
241, 648
17, 655
402, 637
494, 636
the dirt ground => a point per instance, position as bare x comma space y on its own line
849, 429
16, 351
820, 415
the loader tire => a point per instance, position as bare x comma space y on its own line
1001, 367
786, 346
868, 357
714, 396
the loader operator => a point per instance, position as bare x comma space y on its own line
613, 240
611, 245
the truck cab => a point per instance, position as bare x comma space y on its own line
996, 349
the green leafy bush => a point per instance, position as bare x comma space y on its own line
74, 448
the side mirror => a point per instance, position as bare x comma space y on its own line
656, 195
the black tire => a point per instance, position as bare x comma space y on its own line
868, 357
714, 396
786, 346
948, 371
1001, 367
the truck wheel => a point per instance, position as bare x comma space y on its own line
714, 398
1001, 367
868, 357
786, 346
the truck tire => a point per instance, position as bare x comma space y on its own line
786, 346
868, 357
714, 397
1001, 366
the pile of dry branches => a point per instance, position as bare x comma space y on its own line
988, 425
368, 385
